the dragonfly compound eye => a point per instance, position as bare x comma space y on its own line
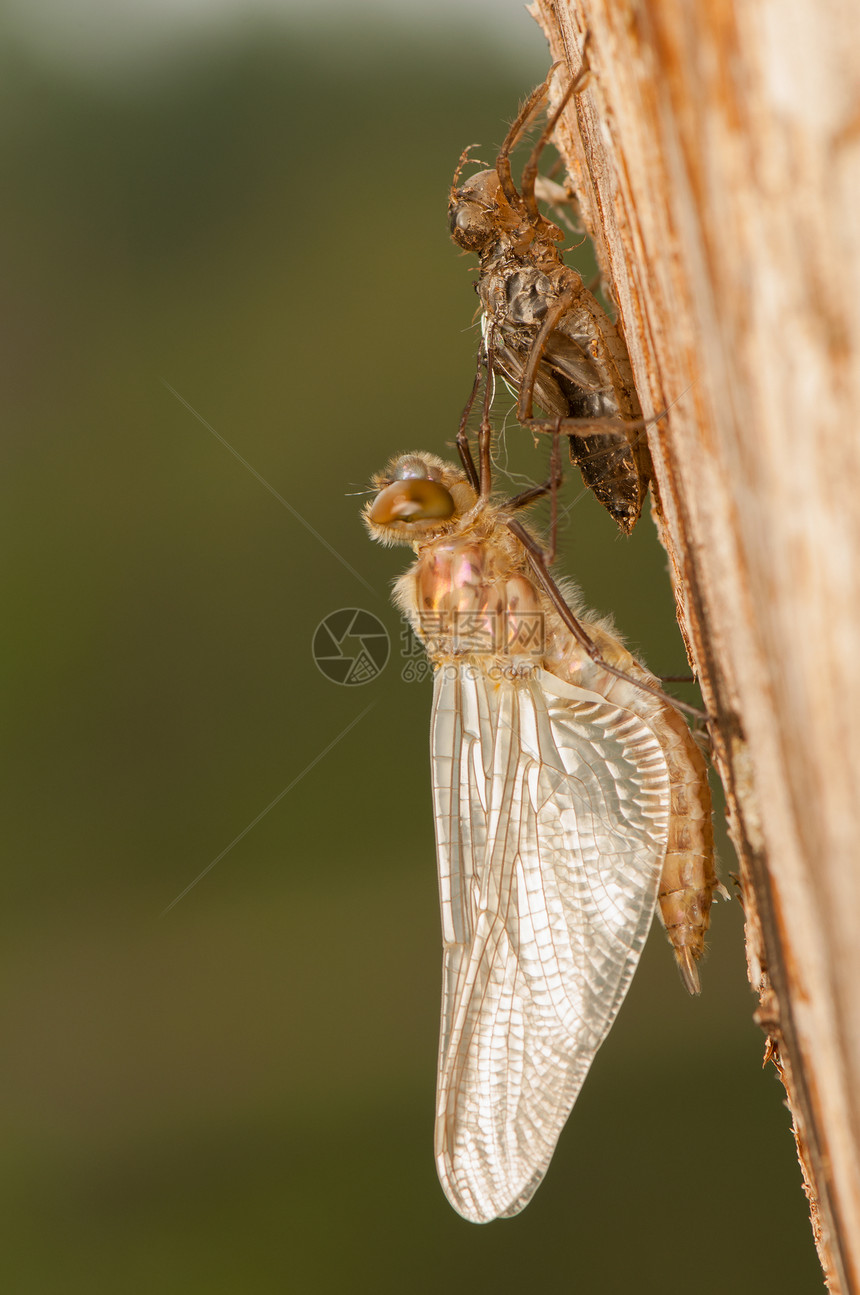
474, 212
415, 499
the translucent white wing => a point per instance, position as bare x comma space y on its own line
552, 809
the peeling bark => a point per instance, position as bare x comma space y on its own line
716, 155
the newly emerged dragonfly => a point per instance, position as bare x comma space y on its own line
543, 331
570, 800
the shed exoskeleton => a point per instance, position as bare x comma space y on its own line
543, 331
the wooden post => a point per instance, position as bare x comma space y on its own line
716, 155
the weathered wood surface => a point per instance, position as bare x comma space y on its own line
716, 155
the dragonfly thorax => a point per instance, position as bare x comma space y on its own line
469, 601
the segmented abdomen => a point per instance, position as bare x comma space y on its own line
689, 878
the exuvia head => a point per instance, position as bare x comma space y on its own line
479, 214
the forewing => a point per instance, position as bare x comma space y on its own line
551, 818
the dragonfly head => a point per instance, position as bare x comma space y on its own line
479, 214
419, 497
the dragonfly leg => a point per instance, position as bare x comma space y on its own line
549, 487
530, 170
524, 116
463, 447
485, 431
537, 562
563, 303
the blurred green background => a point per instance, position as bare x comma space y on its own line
237, 1095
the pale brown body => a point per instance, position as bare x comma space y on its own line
469, 565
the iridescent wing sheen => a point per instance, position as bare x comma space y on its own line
552, 809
